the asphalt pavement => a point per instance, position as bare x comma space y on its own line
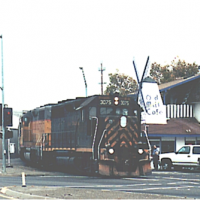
23, 191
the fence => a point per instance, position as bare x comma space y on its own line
179, 111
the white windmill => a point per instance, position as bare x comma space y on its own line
149, 98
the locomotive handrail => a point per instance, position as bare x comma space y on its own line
148, 143
94, 137
100, 142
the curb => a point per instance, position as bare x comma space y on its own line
20, 195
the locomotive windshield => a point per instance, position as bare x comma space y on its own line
117, 111
117, 106
106, 110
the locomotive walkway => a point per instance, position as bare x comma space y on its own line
44, 192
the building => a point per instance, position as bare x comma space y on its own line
182, 100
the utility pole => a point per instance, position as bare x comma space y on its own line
3, 127
81, 68
101, 70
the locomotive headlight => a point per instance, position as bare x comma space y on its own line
123, 121
111, 151
116, 101
140, 151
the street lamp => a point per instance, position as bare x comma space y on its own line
3, 127
81, 68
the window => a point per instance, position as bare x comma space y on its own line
118, 111
92, 112
25, 121
196, 150
184, 150
135, 113
83, 115
198, 141
105, 110
41, 115
125, 111
167, 146
189, 140
109, 110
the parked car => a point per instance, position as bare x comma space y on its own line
186, 156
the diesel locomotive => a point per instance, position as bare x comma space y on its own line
98, 134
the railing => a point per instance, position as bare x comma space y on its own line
179, 111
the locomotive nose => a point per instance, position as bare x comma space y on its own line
123, 144
123, 150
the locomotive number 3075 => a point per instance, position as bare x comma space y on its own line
109, 102
124, 103
105, 102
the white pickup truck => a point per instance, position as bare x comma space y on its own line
186, 156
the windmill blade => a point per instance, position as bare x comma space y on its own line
145, 70
140, 82
140, 96
137, 76
136, 71
140, 85
147, 67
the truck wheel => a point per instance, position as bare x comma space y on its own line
166, 164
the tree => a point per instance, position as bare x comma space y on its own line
121, 83
167, 74
183, 69
177, 69
155, 72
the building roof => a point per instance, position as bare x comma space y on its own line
176, 126
175, 83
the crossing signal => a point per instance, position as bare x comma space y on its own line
8, 134
8, 115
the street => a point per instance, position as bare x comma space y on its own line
183, 184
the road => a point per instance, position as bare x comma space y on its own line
173, 183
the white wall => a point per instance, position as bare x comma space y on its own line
180, 141
15, 121
196, 111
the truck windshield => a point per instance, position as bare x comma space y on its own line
184, 150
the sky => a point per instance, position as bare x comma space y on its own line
46, 41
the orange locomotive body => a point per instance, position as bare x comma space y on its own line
98, 134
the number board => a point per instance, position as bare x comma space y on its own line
108, 102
